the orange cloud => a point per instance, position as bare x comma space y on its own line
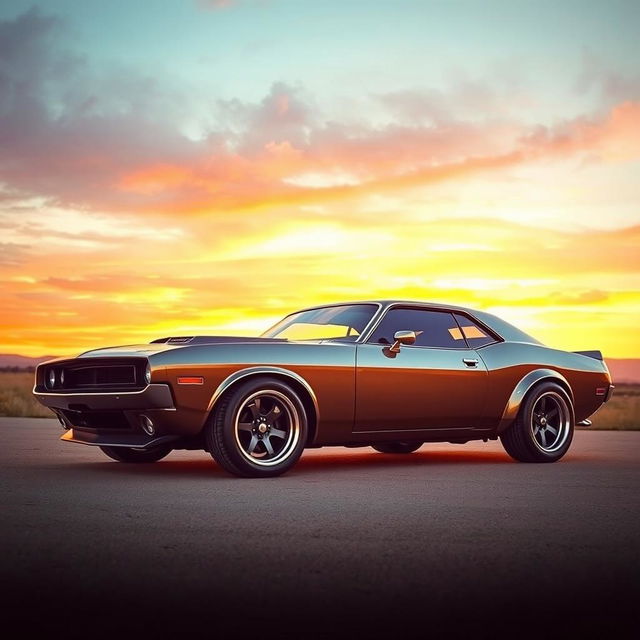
378, 162
616, 137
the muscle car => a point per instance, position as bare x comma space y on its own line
387, 374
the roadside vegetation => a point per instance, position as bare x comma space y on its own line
16, 398
622, 412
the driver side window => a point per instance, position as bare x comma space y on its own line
437, 329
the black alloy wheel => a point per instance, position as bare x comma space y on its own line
258, 429
543, 429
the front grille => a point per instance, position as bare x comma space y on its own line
97, 419
94, 375
100, 376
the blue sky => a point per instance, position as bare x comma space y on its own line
358, 46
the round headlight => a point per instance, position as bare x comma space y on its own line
147, 374
62, 378
52, 378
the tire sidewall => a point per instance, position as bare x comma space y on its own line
135, 456
397, 447
226, 426
532, 398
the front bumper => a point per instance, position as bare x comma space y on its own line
115, 439
153, 396
114, 419
609, 393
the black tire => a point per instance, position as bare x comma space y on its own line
397, 447
128, 454
543, 429
258, 429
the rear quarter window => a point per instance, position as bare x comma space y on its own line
475, 335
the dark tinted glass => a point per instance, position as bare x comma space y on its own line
433, 328
476, 336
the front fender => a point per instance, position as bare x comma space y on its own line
262, 370
523, 387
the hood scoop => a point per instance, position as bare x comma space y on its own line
192, 340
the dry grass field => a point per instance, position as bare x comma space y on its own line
621, 412
16, 398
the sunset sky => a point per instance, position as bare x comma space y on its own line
173, 167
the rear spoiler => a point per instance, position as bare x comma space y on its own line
596, 355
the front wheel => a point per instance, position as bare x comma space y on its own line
396, 447
129, 454
543, 430
258, 429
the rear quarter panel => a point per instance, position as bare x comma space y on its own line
509, 362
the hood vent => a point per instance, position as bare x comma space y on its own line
192, 340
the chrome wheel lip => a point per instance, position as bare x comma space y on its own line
550, 412
293, 428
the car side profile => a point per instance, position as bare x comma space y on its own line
388, 374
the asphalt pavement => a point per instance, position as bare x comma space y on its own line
451, 541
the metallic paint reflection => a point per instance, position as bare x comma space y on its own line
355, 392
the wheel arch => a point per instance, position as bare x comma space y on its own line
296, 381
522, 389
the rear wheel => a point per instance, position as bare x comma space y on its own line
258, 429
128, 454
397, 447
543, 430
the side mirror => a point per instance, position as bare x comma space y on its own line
402, 337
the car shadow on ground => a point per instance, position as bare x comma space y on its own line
313, 463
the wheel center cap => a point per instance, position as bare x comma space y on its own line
262, 428
543, 421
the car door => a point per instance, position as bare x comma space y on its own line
439, 382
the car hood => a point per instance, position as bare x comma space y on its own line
167, 344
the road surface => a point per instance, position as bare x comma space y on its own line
452, 541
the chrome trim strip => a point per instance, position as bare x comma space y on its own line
373, 323
251, 371
101, 393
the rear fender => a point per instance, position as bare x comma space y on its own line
523, 387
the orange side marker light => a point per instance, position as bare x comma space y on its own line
190, 380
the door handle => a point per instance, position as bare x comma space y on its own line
470, 362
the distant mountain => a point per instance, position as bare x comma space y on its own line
625, 370
22, 362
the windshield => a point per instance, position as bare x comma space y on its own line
343, 322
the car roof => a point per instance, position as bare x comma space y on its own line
389, 302
504, 329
